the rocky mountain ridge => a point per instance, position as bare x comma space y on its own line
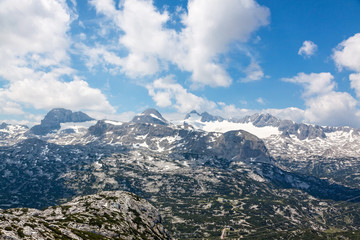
288, 139
282, 133
106, 215
328, 152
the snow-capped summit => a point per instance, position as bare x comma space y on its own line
210, 123
193, 114
150, 116
52, 121
286, 127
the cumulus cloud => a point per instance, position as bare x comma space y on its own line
50, 93
314, 83
36, 31
291, 113
34, 56
347, 54
166, 92
33, 37
355, 83
307, 49
324, 105
334, 109
145, 36
209, 27
8, 107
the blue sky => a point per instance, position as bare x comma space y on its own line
297, 60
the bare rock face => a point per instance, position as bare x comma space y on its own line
204, 117
107, 215
150, 116
56, 116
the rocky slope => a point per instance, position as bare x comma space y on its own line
11, 134
106, 215
200, 195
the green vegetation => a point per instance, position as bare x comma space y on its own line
20, 232
97, 221
8, 228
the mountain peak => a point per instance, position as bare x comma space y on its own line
192, 113
205, 116
3, 125
150, 115
61, 115
153, 111
56, 116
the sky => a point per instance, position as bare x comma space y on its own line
297, 60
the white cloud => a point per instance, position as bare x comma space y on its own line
99, 55
334, 109
209, 27
145, 35
253, 72
324, 105
307, 49
47, 93
34, 56
314, 83
231, 111
8, 107
105, 7
290, 113
347, 54
355, 83
33, 34
166, 92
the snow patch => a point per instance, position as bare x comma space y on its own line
116, 123
225, 126
156, 117
76, 126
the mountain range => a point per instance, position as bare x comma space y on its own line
255, 177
